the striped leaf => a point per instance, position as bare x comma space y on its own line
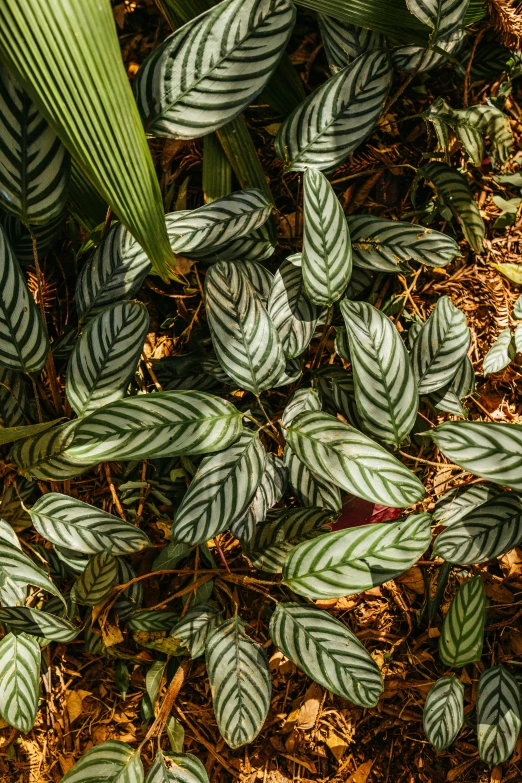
208, 71
152, 620
518, 338
109, 762
21, 237
115, 271
96, 581
487, 449
351, 561
344, 41
281, 531
37, 623
239, 682
260, 278
13, 399
462, 634
156, 425
484, 533
327, 252
444, 712
344, 456
220, 491
338, 392
421, 59
80, 527
34, 167
443, 16
269, 492
20, 570
292, 314
303, 400
46, 455
342, 346
385, 387
498, 715
327, 651
308, 488
382, 244
501, 353
192, 630
457, 503
322, 131
19, 674
449, 397
105, 357
246, 342
440, 346
23, 339
176, 768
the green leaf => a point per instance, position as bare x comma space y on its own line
513, 272
459, 502
96, 581
70, 523
70, 63
46, 455
443, 16
153, 680
19, 674
518, 339
192, 630
484, 533
21, 571
152, 620
293, 316
487, 449
23, 338
268, 493
385, 387
444, 712
105, 357
449, 397
34, 167
245, 339
344, 456
337, 389
440, 346
12, 434
220, 491
303, 400
21, 237
498, 715
350, 561
242, 155
310, 489
37, 623
217, 171
342, 346
343, 42
517, 309
176, 768
229, 51
165, 424
462, 634
383, 244
501, 353
337, 116
327, 252
327, 651
109, 762
115, 271
239, 682
13, 400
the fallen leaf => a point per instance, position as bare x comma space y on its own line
361, 773
306, 763
336, 743
111, 635
310, 709
497, 592
74, 702
511, 563
66, 762
515, 640
412, 579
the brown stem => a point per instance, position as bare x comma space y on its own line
168, 702
115, 498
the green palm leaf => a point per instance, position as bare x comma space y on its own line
46, 455
176, 768
385, 388
239, 682
220, 491
104, 359
341, 454
354, 560
70, 523
501, 353
337, 116
13, 399
308, 488
459, 502
440, 346
245, 339
34, 167
37, 623
344, 41
96, 581
292, 314
192, 630
109, 762
379, 243
23, 339
327, 651
268, 493
462, 634
231, 50
19, 674
444, 712
498, 715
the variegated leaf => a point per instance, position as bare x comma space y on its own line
192, 630
268, 493
153, 620
176, 768
254, 247
338, 392
20, 571
310, 489
462, 634
457, 503
109, 762
260, 277
292, 314
449, 397
342, 346
443, 16
518, 338
20, 237
13, 399
19, 674
37, 623
444, 712
501, 353
46, 455
421, 59
498, 715
303, 400
96, 581
343, 41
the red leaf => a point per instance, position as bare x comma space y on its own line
357, 511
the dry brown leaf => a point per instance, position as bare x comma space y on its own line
511, 563
306, 763
515, 640
336, 743
361, 773
66, 762
413, 580
111, 635
310, 709
74, 702
497, 592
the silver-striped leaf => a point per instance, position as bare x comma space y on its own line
383, 244
385, 387
20, 237
338, 392
20, 660
517, 336
501, 353
459, 502
517, 308
13, 399
164, 424
339, 114
462, 634
37, 623
498, 715
246, 342
82, 528
443, 16
269, 492
192, 630
440, 346
305, 399
343, 41
327, 651
421, 60
350, 561
443, 714
152, 620
104, 359
100, 574
239, 680
23, 338
176, 768
34, 166
208, 71
20, 570
310, 489
292, 314
343, 455
255, 246
220, 491
449, 398
109, 762
341, 344
260, 277
46, 455
327, 252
